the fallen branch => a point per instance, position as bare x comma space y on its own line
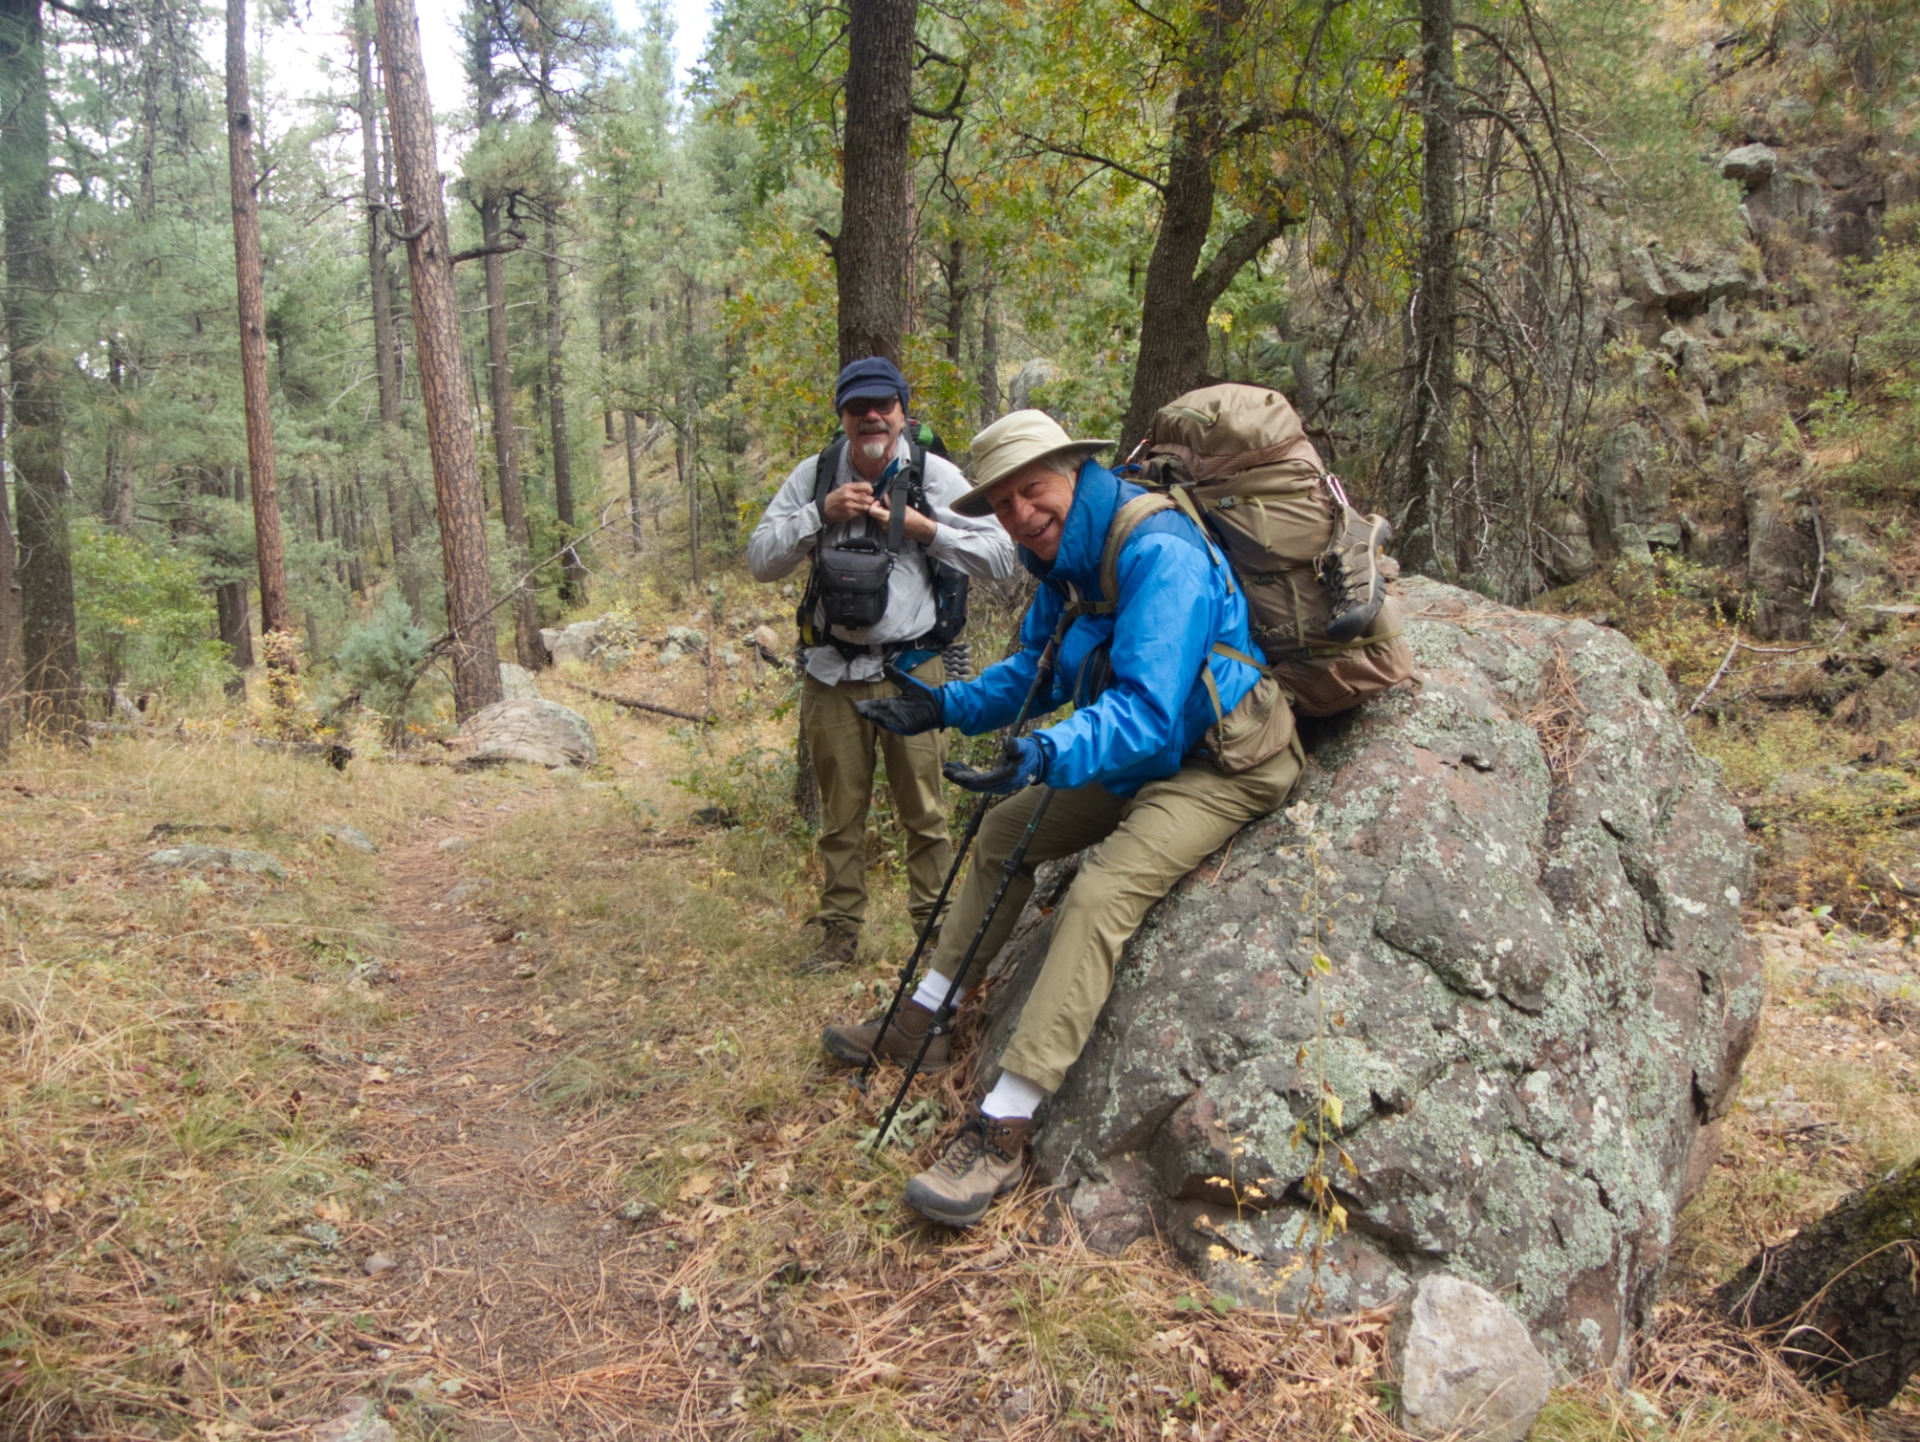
632, 704
1726, 662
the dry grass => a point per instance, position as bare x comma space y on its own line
579, 1100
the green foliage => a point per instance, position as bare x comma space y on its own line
378, 660
145, 624
1879, 421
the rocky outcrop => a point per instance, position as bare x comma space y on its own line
1528, 892
541, 733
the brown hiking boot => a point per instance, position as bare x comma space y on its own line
854, 1044
835, 952
1350, 570
985, 1160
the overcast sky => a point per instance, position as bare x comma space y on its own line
298, 59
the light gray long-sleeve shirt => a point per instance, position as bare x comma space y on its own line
791, 529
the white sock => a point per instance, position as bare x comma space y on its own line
933, 990
1013, 1097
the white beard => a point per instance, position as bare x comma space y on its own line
872, 448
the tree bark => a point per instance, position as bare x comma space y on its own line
989, 356
438, 361
513, 503
630, 429
1849, 1288
575, 589
49, 644
871, 253
1429, 455
269, 547
385, 358
1180, 293
9, 602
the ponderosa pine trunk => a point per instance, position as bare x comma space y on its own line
1180, 293
379, 283
439, 362
630, 432
870, 256
9, 603
1849, 1286
49, 637
575, 588
1434, 330
513, 504
250, 285
513, 501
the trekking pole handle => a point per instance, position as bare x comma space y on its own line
1042, 679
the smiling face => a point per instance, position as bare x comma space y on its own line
873, 428
1032, 505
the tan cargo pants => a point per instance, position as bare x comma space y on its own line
1140, 848
841, 743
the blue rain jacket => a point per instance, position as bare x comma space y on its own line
1176, 601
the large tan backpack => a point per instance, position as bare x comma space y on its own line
1236, 459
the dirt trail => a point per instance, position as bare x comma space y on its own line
511, 1271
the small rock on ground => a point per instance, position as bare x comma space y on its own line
1465, 1366
454, 845
359, 1421
376, 1264
26, 878
352, 836
216, 858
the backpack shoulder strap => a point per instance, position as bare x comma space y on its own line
825, 467
1125, 522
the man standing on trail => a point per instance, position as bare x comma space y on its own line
874, 513
1176, 742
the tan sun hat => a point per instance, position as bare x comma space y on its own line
1016, 440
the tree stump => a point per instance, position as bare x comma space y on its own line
1845, 1291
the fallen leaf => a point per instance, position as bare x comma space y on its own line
697, 1185
327, 1209
378, 1074
54, 1200
697, 1151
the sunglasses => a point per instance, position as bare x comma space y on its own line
870, 406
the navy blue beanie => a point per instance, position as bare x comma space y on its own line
870, 379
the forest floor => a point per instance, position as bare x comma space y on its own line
516, 1127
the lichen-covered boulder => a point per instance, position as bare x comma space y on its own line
1536, 1000
542, 733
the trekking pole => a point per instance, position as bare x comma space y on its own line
938, 1025
1041, 678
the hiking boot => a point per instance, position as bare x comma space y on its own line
985, 1160
835, 952
1350, 570
854, 1044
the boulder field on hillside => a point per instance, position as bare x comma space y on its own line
1539, 997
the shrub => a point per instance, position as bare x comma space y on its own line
377, 661
144, 622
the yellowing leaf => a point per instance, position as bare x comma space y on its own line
1335, 1109
1337, 1215
327, 1209
1322, 963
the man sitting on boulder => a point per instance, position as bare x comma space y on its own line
1174, 744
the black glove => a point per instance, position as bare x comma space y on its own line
917, 708
1022, 763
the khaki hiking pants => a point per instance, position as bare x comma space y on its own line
841, 743
1140, 848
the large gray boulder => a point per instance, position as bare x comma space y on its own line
1539, 999
542, 733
